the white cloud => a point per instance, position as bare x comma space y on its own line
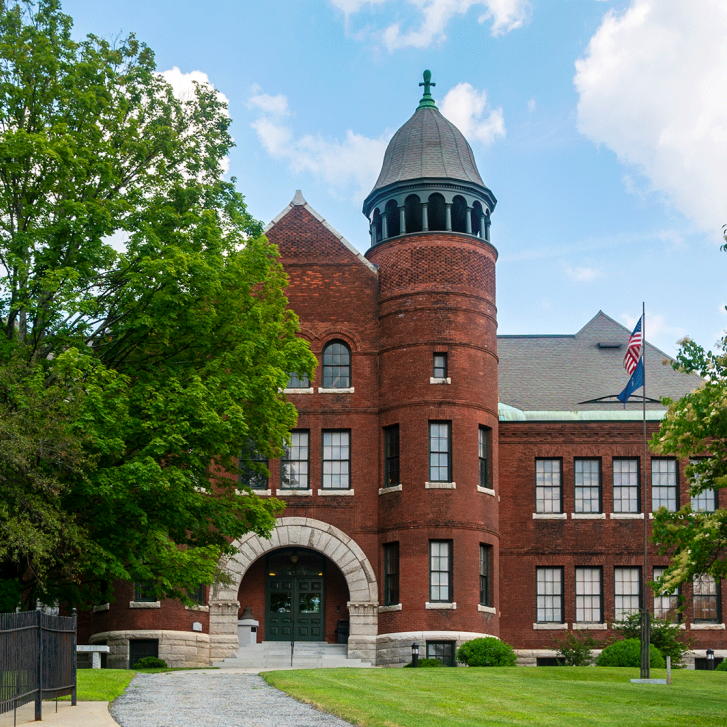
584, 275
183, 83
506, 15
531, 105
277, 105
352, 163
465, 107
656, 328
651, 87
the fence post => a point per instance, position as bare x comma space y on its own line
74, 656
39, 668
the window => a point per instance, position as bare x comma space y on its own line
664, 484
705, 501
627, 591
197, 595
250, 475
549, 595
294, 466
442, 650
485, 580
440, 462
440, 366
706, 600
548, 490
666, 607
440, 571
588, 485
484, 457
626, 485
336, 366
391, 574
391, 456
588, 595
144, 593
336, 460
295, 382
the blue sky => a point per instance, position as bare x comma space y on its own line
601, 128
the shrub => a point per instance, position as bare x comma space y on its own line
575, 648
722, 666
666, 636
628, 653
487, 651
426, 662
150, 662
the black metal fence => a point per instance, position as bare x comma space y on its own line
37, 659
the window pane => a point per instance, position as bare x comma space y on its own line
588, 595
249, 474
439, 459
295, 382
391, 456
549, 590
626, 485
336, 460
294, 464
391, 574
666, 607
706, 600
485, 580
587, 485
664, 484
547, 485
705, 501
627, 591
442, 650
484, 447
336, 366
440, 571
440, 366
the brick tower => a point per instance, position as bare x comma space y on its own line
429, 215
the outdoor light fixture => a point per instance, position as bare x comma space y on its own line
710, 659
415, 654
294, 558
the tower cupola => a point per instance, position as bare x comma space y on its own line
429, 180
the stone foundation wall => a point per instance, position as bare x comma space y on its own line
395, 649
177, 648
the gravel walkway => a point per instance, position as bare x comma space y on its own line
212, 699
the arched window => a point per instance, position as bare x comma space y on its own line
459, 214
413, 213
376, 235
336, 366
436, 212
392, 218
478, 226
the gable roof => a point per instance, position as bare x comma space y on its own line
583, 372
298, 202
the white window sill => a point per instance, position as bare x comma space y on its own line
349, 390
145, 604
627, 516
550, 516
706, 627
294, 493
588, 515
205, 609
393, 488
262, 493
589, 627
486, 609
387, 609
340, 493
299, 391
486, 490
440, 485
101, 608
550, 626
433, 380
440, 606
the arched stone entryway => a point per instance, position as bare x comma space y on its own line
306, 533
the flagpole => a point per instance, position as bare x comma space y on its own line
645, 620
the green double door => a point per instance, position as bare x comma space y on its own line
294, 608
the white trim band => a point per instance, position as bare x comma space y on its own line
440, 485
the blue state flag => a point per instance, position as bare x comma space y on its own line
635, 382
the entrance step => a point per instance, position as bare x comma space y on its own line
306, 655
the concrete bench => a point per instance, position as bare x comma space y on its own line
95, 652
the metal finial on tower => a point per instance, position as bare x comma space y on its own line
427, 100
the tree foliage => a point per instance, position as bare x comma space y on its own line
667, 637
143, 325
628, 653
576, 648
695, 429
486, 651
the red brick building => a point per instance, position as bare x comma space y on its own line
443, 483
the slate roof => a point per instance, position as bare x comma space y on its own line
428, 146
567, 373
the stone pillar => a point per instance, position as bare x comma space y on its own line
487, 228
483, 232
402, 220
372, 233
364, 626
448, 216
224, 643
468, 226
425, 217
384, 226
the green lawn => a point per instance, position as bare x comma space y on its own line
467, 697
102, 685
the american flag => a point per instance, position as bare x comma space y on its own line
633, 352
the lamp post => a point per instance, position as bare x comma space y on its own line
415, 655
710, 659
